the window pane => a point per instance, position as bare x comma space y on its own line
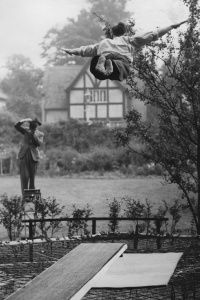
77, 111
102, 111
115, 96
98, 96
115, 111
90, 111
76, 96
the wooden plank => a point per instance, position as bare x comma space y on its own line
71, 273
136, 270
105, 268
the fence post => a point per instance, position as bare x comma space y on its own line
94, 226
158, 240
30, 230
135, 241
31, 243
194, 286
173, 295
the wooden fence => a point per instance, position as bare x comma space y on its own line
158, 222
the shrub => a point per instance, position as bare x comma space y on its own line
69, 157
174, 211
78, 225
80, 136
80, 163
101, 159
133, 208
149, 169
65, 160
114, 210
61, 161
11, 214
48, 208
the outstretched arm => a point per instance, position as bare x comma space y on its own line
71, 51
163, 31
87, 51
139, 41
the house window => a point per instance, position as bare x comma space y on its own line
115, 111
115, 96
96, 104
98, 96
102, 111
76, 96
90, 111
77, 111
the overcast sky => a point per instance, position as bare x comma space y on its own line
23, 23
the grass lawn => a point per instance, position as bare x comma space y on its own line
81, 191
96, 192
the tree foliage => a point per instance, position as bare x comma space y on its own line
23, 85
79, 136
48, 208
83, 31
11, 213
173, 141
114, 211
79, 226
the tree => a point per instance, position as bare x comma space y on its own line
173, 141
23, 85
83, 31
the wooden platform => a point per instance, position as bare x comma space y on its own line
136, 270
72, 275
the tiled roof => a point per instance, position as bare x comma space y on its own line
56, 80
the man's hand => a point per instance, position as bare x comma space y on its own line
68, 51
179, 24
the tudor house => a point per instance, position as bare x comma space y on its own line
72, 92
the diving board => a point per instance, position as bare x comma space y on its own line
71, 277
135, 270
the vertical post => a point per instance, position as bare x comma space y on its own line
1, 166
158, 226
42, 228
30, 230
11, 165
135, 242
31, 238
94, 226
194, 287
173, 295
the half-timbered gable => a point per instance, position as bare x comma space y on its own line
92, 99
72, 92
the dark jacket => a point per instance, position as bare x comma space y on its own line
32, 140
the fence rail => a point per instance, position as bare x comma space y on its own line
158, 223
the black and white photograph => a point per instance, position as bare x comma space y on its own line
100, 150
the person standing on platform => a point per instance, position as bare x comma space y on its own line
29, 153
